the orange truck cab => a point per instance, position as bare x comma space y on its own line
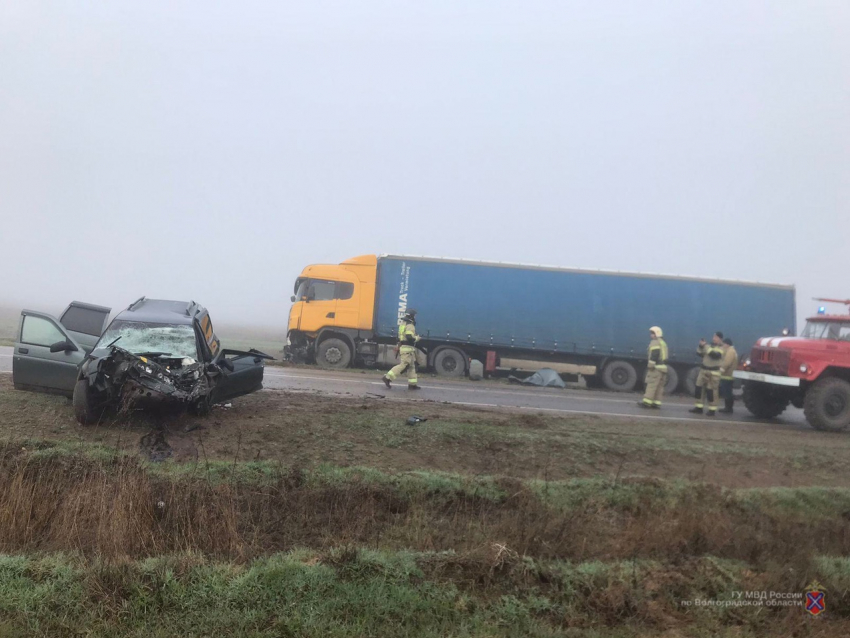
332, 314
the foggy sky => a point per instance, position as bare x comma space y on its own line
209, 151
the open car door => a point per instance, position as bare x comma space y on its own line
85, 322
241, 373
46, 356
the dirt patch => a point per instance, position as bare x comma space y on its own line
308, 429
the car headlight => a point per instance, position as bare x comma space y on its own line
747, 363
804, 368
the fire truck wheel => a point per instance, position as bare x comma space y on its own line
827, 405
764, 401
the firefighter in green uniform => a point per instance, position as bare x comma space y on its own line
708, 381
407, 339
656, 369
727, 367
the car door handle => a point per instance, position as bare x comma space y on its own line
331, 315
24, 350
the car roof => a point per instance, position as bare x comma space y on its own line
161, 311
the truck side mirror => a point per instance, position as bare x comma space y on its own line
293, 299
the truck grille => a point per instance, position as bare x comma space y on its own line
770, 360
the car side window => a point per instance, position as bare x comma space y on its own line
38, 331
84, 320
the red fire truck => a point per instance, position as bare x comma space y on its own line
811, 371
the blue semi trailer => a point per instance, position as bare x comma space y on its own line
468, 309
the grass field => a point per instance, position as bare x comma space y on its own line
307, 515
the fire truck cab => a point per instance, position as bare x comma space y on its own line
811, 371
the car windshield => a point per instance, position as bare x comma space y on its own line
137, 337
834, 330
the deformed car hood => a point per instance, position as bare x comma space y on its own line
121, 373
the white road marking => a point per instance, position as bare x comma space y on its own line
459, 389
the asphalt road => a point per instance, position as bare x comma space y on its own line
492, 394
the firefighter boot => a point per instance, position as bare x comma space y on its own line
386, 381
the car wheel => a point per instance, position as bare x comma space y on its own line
333, 353
620, 376
827, 405
450, 362
202, 406
84, 405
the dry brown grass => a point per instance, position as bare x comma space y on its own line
116, 507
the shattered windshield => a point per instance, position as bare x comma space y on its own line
837, 331
137, 337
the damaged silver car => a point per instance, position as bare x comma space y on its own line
155, 353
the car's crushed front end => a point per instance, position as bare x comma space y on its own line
126, 380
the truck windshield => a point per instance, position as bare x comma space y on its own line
834, 330
138, 336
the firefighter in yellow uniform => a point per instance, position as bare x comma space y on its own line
727, 367
708, 381
407, 339
656, 369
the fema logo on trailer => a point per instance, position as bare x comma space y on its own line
815, 599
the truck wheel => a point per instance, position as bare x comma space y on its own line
827, 405
450, 362
672, 380
333, 353
84, 405
619, 376
690, 383
764, 401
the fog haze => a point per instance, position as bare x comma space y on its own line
209, 151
